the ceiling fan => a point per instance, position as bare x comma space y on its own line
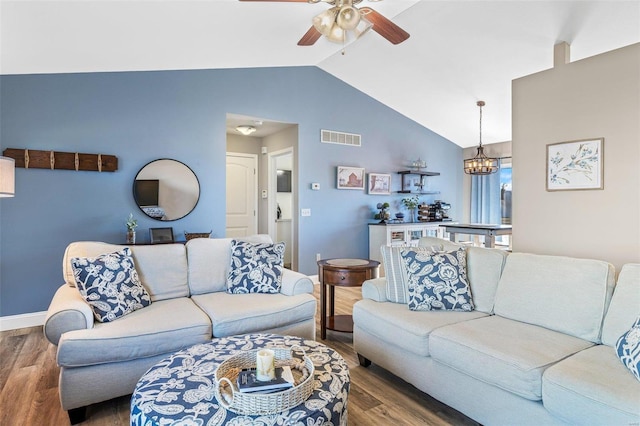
336, 23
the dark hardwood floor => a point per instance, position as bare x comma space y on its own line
29, 385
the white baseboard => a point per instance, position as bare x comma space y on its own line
314, 278
13, 322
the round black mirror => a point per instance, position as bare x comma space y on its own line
166, 189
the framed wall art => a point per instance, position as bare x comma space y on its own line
161, 235
379, 184
350, 177
575, 165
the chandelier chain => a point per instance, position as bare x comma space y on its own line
480, 104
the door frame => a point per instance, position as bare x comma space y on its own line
272, 168
255, 184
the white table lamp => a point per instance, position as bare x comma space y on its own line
7, 177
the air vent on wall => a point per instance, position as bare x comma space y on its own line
340, 138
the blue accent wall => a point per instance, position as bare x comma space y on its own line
142, 116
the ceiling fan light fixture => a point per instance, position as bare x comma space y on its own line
245, 129
348, 18
325, 21
337, 34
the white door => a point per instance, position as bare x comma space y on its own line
242, 184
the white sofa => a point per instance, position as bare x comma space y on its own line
187, 284
538, 349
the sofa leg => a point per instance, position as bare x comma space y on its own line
77, 415
363, 361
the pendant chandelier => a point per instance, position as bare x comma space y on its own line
481, 164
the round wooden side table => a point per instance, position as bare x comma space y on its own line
334, 273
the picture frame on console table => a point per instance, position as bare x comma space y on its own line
379, 184
575, 165
350, 177
161, 235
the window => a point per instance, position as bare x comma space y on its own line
505, 191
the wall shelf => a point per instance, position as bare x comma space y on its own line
56, 160
422, 175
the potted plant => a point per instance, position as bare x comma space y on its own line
383, 215
131, 229
411, 203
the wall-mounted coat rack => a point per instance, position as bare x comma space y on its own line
36, 159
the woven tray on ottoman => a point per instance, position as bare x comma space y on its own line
258, 403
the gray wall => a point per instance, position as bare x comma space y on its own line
141, 116
597, 97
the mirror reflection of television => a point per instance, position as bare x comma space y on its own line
145, 192
284, 180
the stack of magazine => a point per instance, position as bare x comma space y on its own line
248, 381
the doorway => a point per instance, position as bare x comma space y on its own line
242, 200
268, 139
282, 220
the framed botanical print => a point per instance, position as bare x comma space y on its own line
575, 165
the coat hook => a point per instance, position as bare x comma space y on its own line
52, 159
26, 158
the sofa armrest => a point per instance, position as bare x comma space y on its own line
67, 311
375, 289
294, 283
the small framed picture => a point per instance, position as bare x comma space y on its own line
350, 177
575, 165
161, 235
379, 184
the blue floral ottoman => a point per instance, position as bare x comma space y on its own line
180, 390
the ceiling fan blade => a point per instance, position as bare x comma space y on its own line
384, 26
310, 37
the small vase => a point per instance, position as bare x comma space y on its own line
131, 237
412, 215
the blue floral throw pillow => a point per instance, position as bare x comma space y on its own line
255, 268
110, 284
628, 349
437, 280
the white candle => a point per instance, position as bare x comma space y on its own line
265, 365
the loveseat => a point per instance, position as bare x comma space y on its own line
538, 348
187, 285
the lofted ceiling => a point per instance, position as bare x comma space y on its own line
459, 51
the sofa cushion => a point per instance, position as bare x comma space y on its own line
437, 281
162, 327
484, 269
110, 285
247, 313
83, 249
162, 268
410, 330
255, 267
508, 354
209, 260
578, 393
628, 349
625, 304
560, 293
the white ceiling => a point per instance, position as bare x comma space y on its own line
459, 51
